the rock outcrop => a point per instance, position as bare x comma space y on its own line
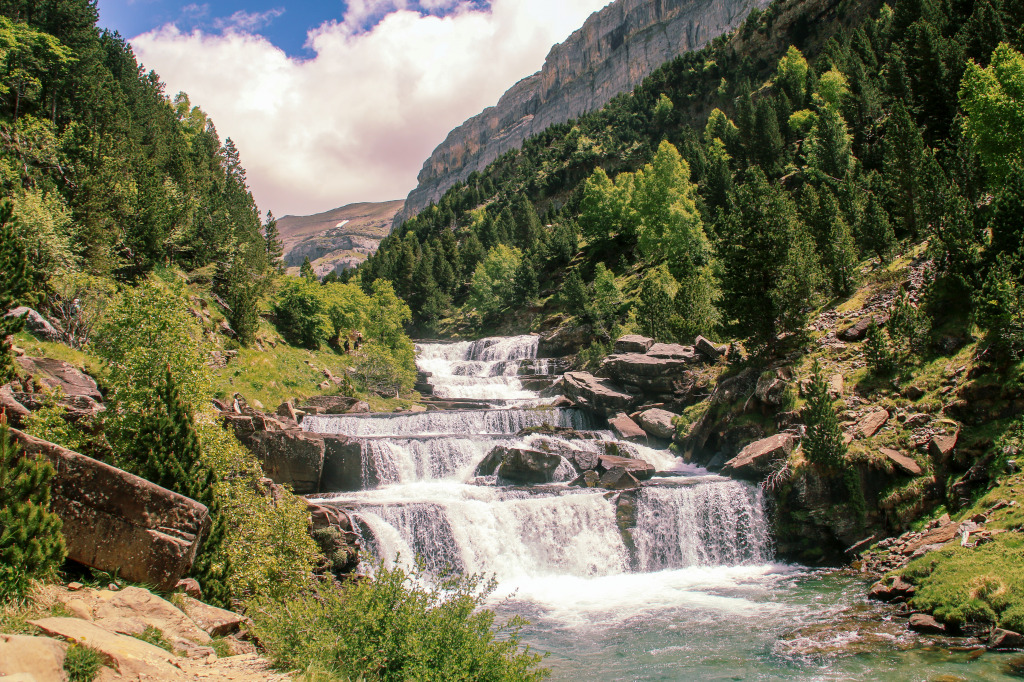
612, 53
755, 461
117, 522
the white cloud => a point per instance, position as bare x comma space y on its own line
356, 122
247, 21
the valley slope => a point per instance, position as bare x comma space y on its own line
337, 239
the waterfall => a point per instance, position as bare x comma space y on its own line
421, 496
714, 523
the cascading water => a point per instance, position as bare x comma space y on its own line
674, 581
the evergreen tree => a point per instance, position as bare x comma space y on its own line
574, 294
306, 271
654, 304
903, 154
823, 443
274, 248
31, 544
876, 231
839, 257
525, 287
828, 147
167, 452
606, 297
878, 351
14, 284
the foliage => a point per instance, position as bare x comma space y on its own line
269, 548
992, 99
155, 636
379, 371
878, 351
654, 303
31, 544
301, 313
82, 663
346, 306
962, 585
13, 286
823, 444
165, 450
49, 424
1000, 307
78, 302
398, 627
492, 286
146, 331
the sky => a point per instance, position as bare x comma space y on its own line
332, 103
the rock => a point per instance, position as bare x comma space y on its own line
131, 610
119, 523
627, 429
290, 457
771, 387
756, 461
600, 395
36, 324
617, 478
527, 466
287, 410
900, 590
132, 658
336, 404
190, 587
926, 624
9, 405
588, 479
858, 330
63, 375
870, 423
673, 351
913, 392
214, 621
38, 658
905, 464
633, 343
328, 517
1005, 640
835, 386
567, 340
646, 372
583, 459
936, 537
636, 467
658, 423
490, 463
941, 448
343, 465
709, 351
610, 54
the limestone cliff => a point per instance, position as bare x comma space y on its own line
612, 53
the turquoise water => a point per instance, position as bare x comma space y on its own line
732, 624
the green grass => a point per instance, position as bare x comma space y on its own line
82, 663
155, 636
984, 585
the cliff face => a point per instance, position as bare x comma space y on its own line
615, 50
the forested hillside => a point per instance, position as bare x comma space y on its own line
743, 185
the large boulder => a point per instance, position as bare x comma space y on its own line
117, 522
859, 329
755, 461
343, 465
32, 658
633, 343
902, 462
55, 374
627, 429
36, 324
600, 395
658, 423
617, 478
567, 340
707, 350
293, 457
646, 372
527, 466
636, 467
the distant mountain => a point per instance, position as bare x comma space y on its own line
337, 239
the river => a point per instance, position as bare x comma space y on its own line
691, 592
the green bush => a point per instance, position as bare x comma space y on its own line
378, 371
31, 544
302, 313
394, 627
82, 663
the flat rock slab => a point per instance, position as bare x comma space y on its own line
117, 522
627, 429
38, 658
941, 447
636, 467
214, 621
633, 343
902, 462
870, 423
658, 423
755, 461
59, 374
132, 658
673, 351
617, 478
600, 395
859, 329
938, 537
131, 610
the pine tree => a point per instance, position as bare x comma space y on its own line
167, 452
878, 351
31, 544
654, 305
14, 284
823, 444
574, 294
876, 231
525, 288
306, 271
272, 238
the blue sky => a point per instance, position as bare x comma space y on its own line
283, 24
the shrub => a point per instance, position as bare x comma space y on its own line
397, 628
31, 544
302, 315
82, 663
13, 286
378, 370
